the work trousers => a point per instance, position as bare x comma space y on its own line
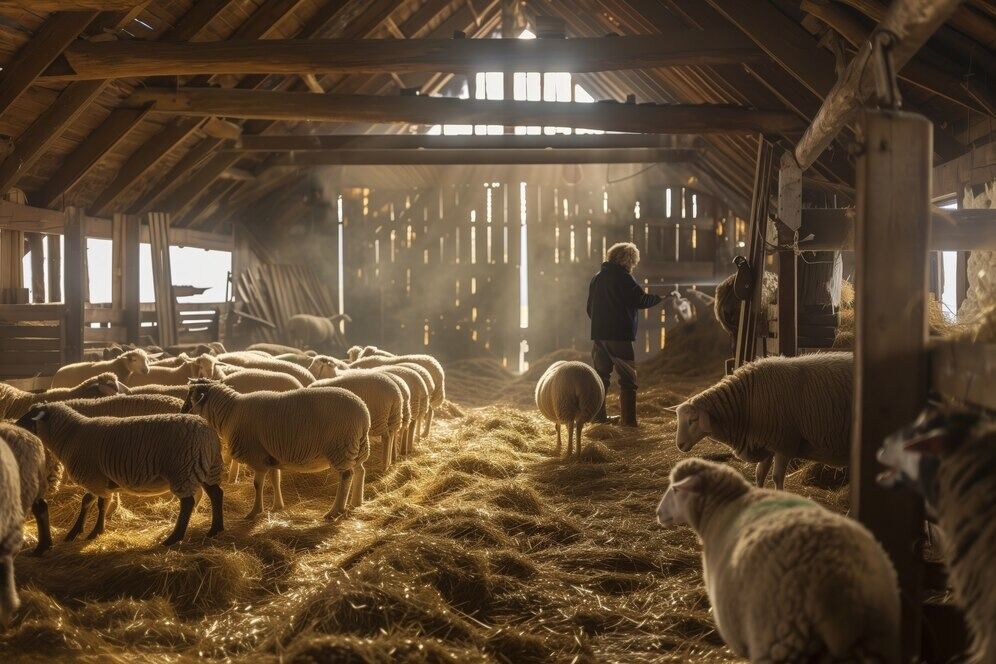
620, 355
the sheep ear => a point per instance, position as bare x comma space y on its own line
41, 414
932, 442
690, 484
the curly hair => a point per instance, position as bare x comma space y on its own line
623, 253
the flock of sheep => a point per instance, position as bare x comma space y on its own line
137, 425
789, 580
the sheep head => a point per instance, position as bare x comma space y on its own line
679, 502
107, 385
693, 426
136, 361
695, 482
32, 419
207, 367
354, 353
323, 366
196, 395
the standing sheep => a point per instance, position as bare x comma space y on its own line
275, 349
569, 393
249, 360
167, 375
949, 457
427, 362
788, 580
133, 361
307, 331
33, 476
419, 394
178, 391
15, 402
11, 525
356, 352
141, 455
382, 397
777, 408
304, 430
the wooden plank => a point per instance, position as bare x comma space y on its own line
162, 278
54, 246
57, 32
108, 335
362, 142
29, 370
951, 230
131, 294
16, 217
130, 59
964, 373
29, 332
73, 285
890, 387
789, 221
28, 357
976, 167
174, 176
477, 157
911, 23
36, 245
42, 6
270, 105
34, 343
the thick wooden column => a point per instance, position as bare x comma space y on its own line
789, 221
125, 291
72, 333
890, 362
36, 245
54, 243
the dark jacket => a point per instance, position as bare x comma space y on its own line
614, 298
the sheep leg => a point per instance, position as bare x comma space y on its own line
359, 482
428, 421
577, 438
182, 519
761, 472
570, 440
9, 601
113, 504
341, 493
781, 465
278, 492
40, 509
216, 495
412, 430
388, 449
81, 519
98, 526
233, 471
560, 442
257, 505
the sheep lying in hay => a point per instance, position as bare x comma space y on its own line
569, 393
15, 402
132, 361
950, 458
776, 409
143, 455
788, 580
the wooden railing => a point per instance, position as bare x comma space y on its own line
31, 339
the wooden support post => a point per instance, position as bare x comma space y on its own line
54, 267
163, 278
961, 278
125, 285
789, 221
36, 245
72, 332
890, 360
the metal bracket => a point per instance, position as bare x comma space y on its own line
886, 83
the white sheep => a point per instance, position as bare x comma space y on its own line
33, 477
167, 375
426, 362
949, 457
384, 400
275, 349
403, 446
303, 430
356, 352
11, 532
178, 391
419, 394
569, 393
251, 360
307, 331
15, 402
325, 366
777, 409
789, 581
133, 361
140, 455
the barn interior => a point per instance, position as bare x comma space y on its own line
445, 177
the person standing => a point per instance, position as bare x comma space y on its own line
614, 299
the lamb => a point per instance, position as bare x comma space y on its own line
383, 399
304, 430
314, 331
15, 402
11, 524
788, 580
427, 362
251, 360
949, 457
167, 375
140, 455
569, 393
133, 361
33, 478
746, 412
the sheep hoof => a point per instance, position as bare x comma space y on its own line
277, 507
41, 548
71, 535
93, 534
334, 515
253, 514
214, 532
171, 540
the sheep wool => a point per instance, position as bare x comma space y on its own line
307, 331
382, 398
404, 442
11, 522
15, 402
178, 391
303, 430
418, 393
33, 477
275, 349
747, 411
167, 375
569, 393
245, 381
132, 361
144, 455
249, 360
427, 362
788, 580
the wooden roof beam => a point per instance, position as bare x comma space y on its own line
57, 32
306, 142
268, 105
131, 59
71, 5
473, 156
912, 22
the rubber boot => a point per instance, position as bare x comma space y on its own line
627, 404
602, 418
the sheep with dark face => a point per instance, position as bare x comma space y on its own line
949, 457
788, 580
776, 409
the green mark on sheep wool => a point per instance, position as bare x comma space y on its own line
764, 508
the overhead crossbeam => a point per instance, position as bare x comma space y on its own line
435, 157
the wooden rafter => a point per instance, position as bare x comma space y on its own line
301, 142
474, 156
54, 35
71, 5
